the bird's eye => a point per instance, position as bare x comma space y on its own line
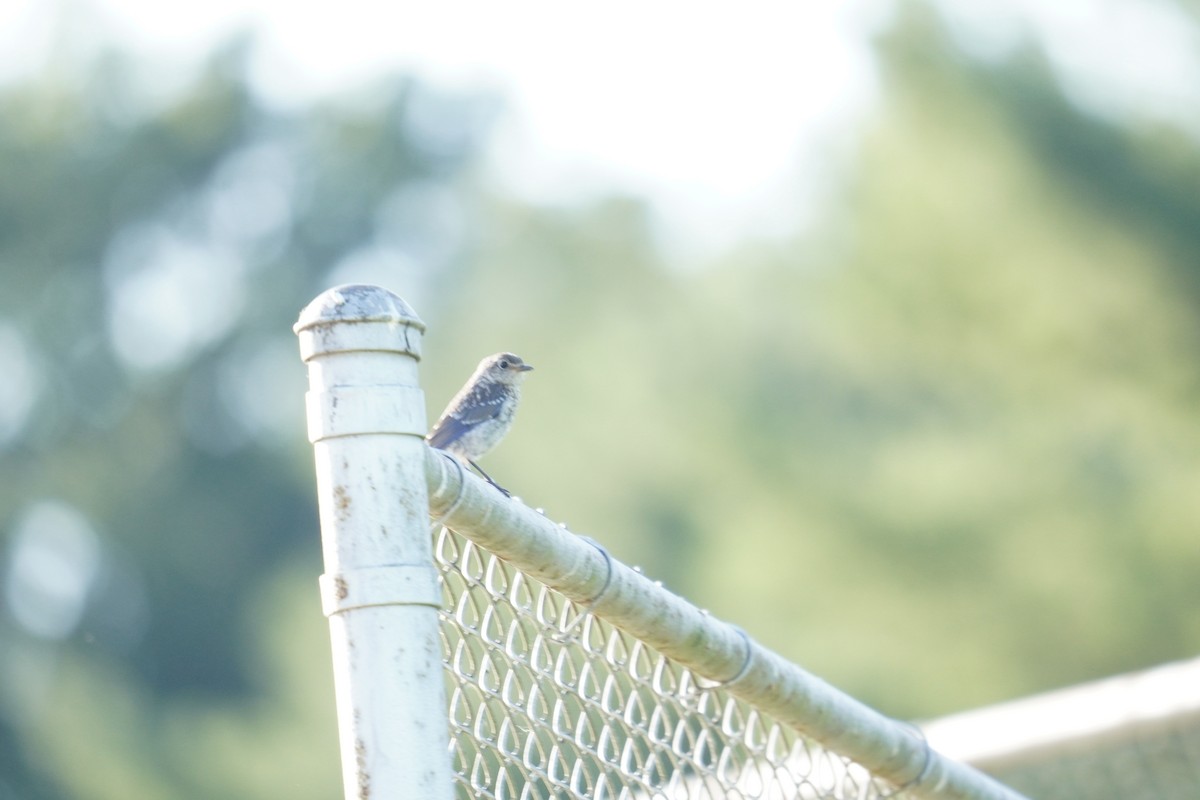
504, 363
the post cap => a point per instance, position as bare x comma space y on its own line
357, 302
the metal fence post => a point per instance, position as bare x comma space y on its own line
366, 420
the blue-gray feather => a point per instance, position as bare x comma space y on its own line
485, 402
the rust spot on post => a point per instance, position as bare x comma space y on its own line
343, 589
341, 502
360, 765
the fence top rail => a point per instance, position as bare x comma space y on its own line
585, 573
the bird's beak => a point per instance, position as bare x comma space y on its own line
525, 368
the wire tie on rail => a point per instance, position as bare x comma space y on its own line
925, 768
741, 673
462, 486
564, 634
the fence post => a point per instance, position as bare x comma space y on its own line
366, 420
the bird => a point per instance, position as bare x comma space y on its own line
479, 416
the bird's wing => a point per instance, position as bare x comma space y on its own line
481, 404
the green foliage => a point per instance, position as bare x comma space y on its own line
155, 257
107, 737
941, 451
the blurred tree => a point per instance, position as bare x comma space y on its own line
155, 255
942, 450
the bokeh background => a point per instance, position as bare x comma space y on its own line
874, 331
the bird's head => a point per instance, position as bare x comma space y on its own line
504, 367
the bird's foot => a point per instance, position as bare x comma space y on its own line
488, 478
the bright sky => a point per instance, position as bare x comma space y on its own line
720, 114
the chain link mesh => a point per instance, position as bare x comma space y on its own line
548, 701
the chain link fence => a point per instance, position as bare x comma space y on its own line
548, 701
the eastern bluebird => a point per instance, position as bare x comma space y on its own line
482, 412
